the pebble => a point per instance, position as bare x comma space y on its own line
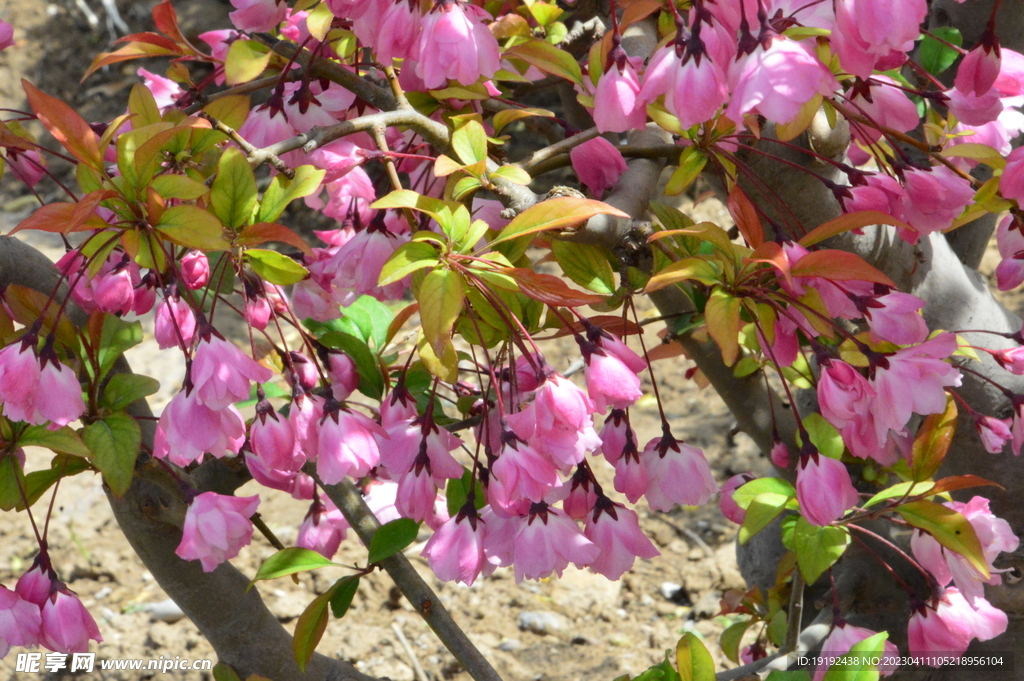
669, 590
510, 645
102, 593
164, 611
541, 622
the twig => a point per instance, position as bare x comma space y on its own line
420, 674
566, 145
796, 611
351, 504
257, 157
747, 669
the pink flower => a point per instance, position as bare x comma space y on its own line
869, 30
974, 109
347, 446
257, 312
323, 529
727, 504
20, 621
195, 269
67, 625
456, 551
273, 440
34, 585
824, 489
19, 379
631, 477
187, 429
894, 317
221, 373
994, 433
843, 394
617, 107
357, 264
455, 45
1010, 240
615, 531
979, 69
62, 400
677, 474
165, 91
611, 371
581, 497
547, 542
304, 416
933, 199
881, 193
994, 535
558, 422
694, 90
1011, 184
598, 165
258, 16
398, 32
521, 473
951, 626
337, 158
6, 40
914, 382
341, 371
300, 372
888, 106
417, 493
843, 637
615, 434
780, 454
27, 166
777, 81
216, 528
1010, 81
174, 323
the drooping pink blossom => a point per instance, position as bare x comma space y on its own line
34, 584
776, 81
547, 542
598, 165
323, 529
174, 323
631, 477
894, 317
980, 67
694, 89
824, 489
346, 444
216, 528
521, 473
455, 552
6, 40
953, 624
195, 269
974, 109
614, 435
780, 454
27, 166
843, 637
994, 433
1010, 81
304, 415
20, 621
273, 440
867, 31
417, 493
455, 45
617, 106
398, 32
187, 429
1010, 241
259, 16
1011, 183
888, 106
341, 371
677, 474
221, 373
844, 395
933, 199
615, 531
67, 627
611, 371
558, 422
165, 91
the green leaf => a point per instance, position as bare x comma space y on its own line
283, 191
142, 106
902, 489
470, 142
123, 389
233, 195
37, 482
63, 440
691, 163
722, 315
932, 441
345, 591
824, 436
406, 259
371, 381
513, 174
193, 227
116, 337
115, 442
289, 561
776, 629
441, 296
687, 269
746, 493
12, 481
760, 512
223, 672
561, 212
309, 629
935, 56
548, 59
797, 675
405, 198
949, 528
371, 317
585, 264
275, 267
855, 665
457, 493
245, 60
179, 187
694, 661
817, 548
732, 637
391, 538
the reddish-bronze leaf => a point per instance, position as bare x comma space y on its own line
772, 253
955, 482
613, 324
549, 289
166, 21
838, 266
133, 50
745, 215
262, 232
65, 125
63, 217
932, 441
848, 222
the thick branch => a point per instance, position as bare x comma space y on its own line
241, 629
351, 504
